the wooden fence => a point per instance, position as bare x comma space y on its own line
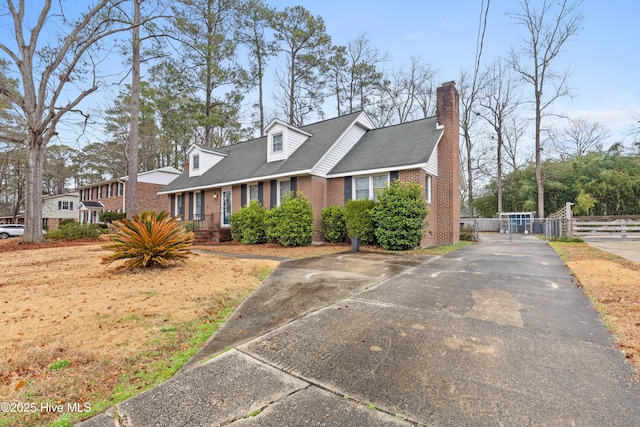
609, 226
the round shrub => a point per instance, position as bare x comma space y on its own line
334, 226
247, 225
399, 216
357, 215
291, 223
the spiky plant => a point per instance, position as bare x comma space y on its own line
149, 239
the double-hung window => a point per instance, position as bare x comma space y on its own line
366, 187
196, 161
253, 193
276, 143
285, 188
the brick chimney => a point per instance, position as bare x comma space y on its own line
447, 187
185, 168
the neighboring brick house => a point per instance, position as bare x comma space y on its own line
110, 196
329, 162
58, 207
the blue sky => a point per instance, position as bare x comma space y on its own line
604, 57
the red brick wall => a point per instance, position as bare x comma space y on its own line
149, 199
446, 189
335, 192
315, 189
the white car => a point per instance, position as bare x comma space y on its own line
11, 230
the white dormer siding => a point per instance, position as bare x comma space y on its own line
343, 144
341, 147
202, 159
283, 136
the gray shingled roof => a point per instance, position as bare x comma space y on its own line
394, 146
248, 160
378, 148
89, 204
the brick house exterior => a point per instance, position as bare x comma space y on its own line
329, 162
110, 195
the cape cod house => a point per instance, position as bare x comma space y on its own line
329, 162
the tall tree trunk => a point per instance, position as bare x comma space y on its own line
292, 87
260, 94
539, 177
33, 205
131, 193
499, 172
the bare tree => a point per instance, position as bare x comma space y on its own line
356, 74
254, 22
131, 200
580, 137
498, 102
304, 41
469, 94
547, 30
54, 77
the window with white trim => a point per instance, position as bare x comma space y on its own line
65, 206
253, 193
196, 161
428, 188
284, 188
364, 187
180, 205
276, 143
100, 192
120, 188
110, 190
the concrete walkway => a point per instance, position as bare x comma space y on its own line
495, 334
629, 249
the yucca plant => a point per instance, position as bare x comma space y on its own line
149, 239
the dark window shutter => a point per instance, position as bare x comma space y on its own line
190, 205
59, 205
202, 204
294, 185
70, 206
273, 194
393, 175
261, 192
243, 195
347, 188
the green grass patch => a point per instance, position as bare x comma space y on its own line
263, 273
60, 364
442, 250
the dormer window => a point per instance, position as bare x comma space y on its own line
276, 143
196, 162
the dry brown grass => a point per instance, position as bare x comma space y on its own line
111, 325
614, 285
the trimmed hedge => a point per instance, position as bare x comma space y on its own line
399, 216
358, 221
334, 226
291, 223
247, 225
75, 230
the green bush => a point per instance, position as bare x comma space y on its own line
291, 223
467, 234
66, 221
247, 225
75, 230
357, 215
109, 217
334, 226
399, 216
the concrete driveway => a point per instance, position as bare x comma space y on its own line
495, 334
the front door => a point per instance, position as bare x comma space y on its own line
226, 207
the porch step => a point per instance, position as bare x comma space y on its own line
204, 236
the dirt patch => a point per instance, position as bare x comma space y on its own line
614, 285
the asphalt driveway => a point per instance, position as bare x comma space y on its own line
494, 334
